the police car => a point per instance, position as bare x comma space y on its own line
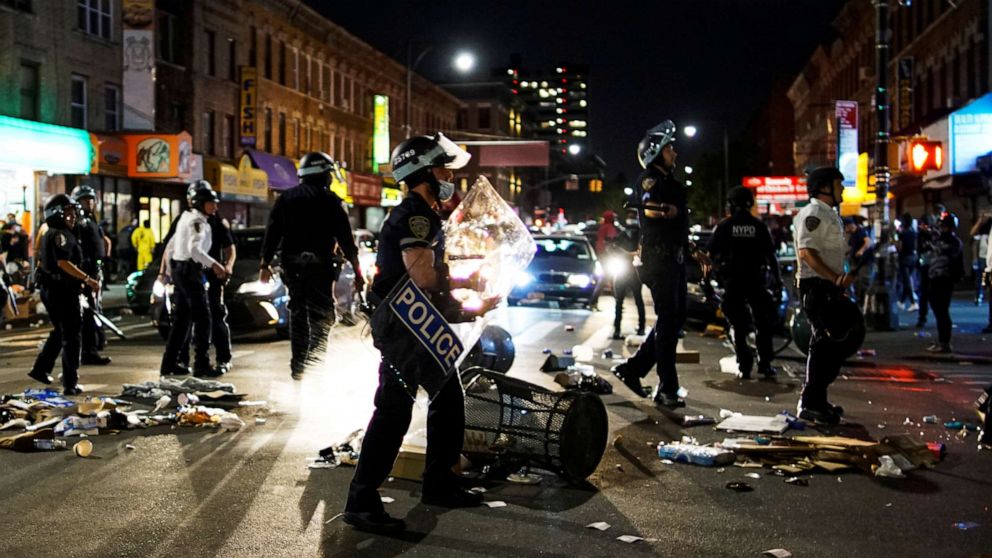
564, 269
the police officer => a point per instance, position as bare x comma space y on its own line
664, 218
411, 243
946, 268
223, 250
625, 277
189, 260
61, 279
306, 224
741, 249
822, 281
95, 246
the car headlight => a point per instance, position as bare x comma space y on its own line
158, 289
523, 279
257, 288
598, 269
579, 280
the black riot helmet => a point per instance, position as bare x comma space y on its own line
948, 220
821, 180
317, 168
200, 192
82, 192
740, 198
57, 208
654, 141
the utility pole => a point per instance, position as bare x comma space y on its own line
879, 311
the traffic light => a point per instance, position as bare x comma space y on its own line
925, 155
595, 185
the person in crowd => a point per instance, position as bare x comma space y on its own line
143, 240
625, 278
127, 255
980, 246
908, 259
928, 232
861, 256
95, 246
946, 269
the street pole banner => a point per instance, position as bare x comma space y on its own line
139, 64
846, 113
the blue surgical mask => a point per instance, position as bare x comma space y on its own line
446, 190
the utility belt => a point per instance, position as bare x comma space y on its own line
55, 280
817, 283
656, 254
307, 258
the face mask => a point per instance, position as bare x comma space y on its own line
446, 190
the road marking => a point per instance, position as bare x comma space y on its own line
536, 332
239, 354
599, 339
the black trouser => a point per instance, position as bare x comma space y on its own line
668, 290
824, 361
94, 338
62, 303
311, 311
749, 307
941, 289
924, 292
907, 264
189, 307
220, 331
629, 281
384, 435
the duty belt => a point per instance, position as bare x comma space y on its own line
306, 258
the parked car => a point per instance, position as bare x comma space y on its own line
251, 305
564, 269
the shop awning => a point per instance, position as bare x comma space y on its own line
280, 170
45, 147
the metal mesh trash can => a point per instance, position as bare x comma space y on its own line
564, 432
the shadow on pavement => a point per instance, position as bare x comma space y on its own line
753, 388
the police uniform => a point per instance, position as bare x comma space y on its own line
60, 294
742, 247
306, 224
819, 227
946, 268
664, 247
190, 261
412, 224
90, 237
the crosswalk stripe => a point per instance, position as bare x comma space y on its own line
535, 332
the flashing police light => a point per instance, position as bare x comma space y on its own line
925, 155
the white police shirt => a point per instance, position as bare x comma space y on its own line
819, 227
192, 239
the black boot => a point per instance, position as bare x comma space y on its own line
629, 378
374, 522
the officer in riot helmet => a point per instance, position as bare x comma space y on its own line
95, 246
189, 258
307, 223
820, 246
411, 244
743, 254
664, 218
61, 279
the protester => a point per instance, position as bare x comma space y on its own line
143, 240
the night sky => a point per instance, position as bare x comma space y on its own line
705, 62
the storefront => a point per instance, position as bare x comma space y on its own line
34, 159
243, 190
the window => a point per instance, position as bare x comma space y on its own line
296, 135
111, 108
228, 137
295, 70
232, 60
282, 133
484, 114
268, 129
268, 56
346, 94
210, 40
252, 46
326, 88
208, 132
282, 63
305, 79
166, 34
95, 17
29, 90
78, 101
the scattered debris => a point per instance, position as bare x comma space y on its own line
83, 448
796, 481
888, 468
697, 420
525, 477
495, 504
599, 525
633, 539
753, 476
864, 353
739, 487
695, 454
387, 499
777, 553
129, 446
965, 525
608, 353
569, 328
754, 423
931, 419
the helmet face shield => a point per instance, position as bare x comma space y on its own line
424, 152
654, 141
455, 157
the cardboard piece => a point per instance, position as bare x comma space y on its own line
754, 423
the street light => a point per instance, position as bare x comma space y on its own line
689, 131
628, 191
688, 169
463, 62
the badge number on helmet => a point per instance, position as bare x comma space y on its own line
420, 226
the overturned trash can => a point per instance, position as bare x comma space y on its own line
516, 421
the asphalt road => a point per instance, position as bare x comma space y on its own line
199, 492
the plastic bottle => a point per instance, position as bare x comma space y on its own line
48, 444
697, 455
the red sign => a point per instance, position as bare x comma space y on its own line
365, 189
777, 189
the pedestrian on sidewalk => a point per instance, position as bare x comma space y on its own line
946, 269
307, 223
822, 284
744, 258
906, 249
664, 217
61, 280
411, 249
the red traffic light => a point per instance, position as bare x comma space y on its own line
925, 155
